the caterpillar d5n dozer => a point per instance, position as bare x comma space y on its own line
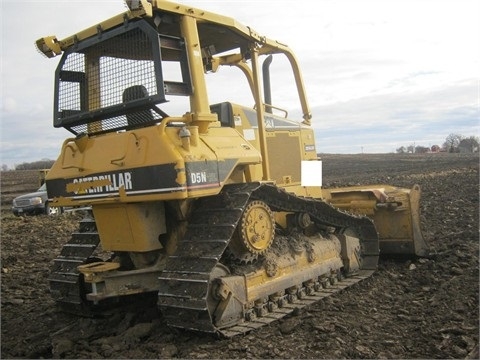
216, 209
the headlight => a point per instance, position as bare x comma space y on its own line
36, 200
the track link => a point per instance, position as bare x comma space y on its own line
65, 280
184, 284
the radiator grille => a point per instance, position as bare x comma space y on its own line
284, 160
22, 202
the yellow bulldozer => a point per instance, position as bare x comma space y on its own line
215, 210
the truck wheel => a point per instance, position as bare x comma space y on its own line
52, 210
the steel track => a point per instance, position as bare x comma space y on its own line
66, 285
184, 284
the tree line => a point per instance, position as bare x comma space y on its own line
454, 143
35, 165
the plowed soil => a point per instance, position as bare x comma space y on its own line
410, 308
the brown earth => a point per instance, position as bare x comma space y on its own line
410, 308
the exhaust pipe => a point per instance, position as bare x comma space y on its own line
267, 91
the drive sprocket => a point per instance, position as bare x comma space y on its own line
255, 232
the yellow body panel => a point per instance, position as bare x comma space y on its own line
121, 152
130, 227
288, 143
286, 267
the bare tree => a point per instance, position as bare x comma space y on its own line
452, 141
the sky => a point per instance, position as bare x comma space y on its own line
379, 74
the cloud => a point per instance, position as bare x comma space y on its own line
384, 123
8, 105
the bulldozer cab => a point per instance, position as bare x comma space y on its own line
116, 81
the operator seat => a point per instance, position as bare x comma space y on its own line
136, 92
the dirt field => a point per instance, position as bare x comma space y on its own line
416, 308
